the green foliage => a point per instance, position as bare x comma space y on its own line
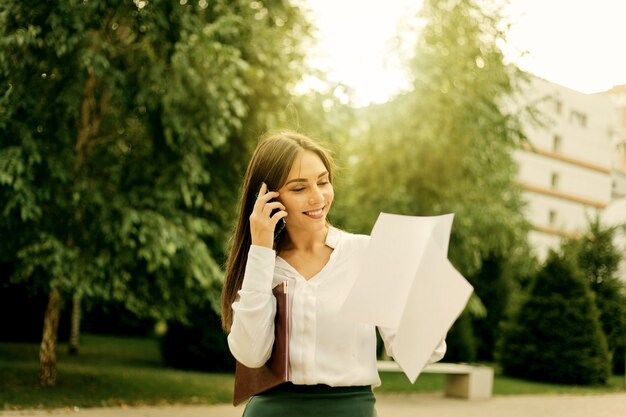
447, 145
598, 258
123, 131
498, 284
461, 341
556, 336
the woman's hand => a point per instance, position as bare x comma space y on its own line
262, 222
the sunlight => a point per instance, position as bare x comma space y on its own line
575, 44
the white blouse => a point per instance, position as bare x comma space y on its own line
324, 348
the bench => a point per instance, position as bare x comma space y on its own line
462, 381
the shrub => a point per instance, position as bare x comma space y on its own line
599, 258
200, 345
496, 284
112, 317
556, 335
461, 341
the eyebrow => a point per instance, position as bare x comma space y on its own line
304, 179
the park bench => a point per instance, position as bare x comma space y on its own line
462, 380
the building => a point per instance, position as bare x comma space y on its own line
618, 96
615, 213
566, 168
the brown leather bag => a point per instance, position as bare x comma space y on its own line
252, 381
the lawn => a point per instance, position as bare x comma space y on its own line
114, 371
110, 371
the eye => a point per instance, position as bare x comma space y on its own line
323, 183
297, 190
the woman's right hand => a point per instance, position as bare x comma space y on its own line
262, 223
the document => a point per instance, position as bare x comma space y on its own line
415, 289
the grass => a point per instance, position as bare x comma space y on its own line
502, 385
115, 371
110, 371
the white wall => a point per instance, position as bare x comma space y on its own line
587, 126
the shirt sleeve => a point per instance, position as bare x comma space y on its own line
251, 335
388, 335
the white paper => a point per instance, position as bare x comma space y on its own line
416, 290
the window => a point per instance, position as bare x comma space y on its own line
556, 143
554, 180
551, 217
558, 106
578, 118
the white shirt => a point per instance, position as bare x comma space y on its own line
324, 348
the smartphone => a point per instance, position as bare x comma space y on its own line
280, 226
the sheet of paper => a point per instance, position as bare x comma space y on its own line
437, 297
415, 289
390, 264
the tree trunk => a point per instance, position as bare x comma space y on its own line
47, 351
75, 329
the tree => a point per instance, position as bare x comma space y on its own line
556, 335
121, 135
495, 283
446, 145
598, 258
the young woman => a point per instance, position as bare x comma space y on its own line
288, 188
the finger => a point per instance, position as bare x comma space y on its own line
273, 206
263, 196
262, 200
261, 192
268, 196
279, 215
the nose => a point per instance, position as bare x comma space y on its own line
316, 196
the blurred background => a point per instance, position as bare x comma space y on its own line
125, 128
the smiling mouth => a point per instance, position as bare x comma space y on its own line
315, 213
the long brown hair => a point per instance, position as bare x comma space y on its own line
270, 164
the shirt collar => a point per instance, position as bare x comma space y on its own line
332, 237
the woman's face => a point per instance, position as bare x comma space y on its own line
307, 194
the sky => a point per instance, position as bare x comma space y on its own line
580, 44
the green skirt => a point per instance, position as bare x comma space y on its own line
312, 401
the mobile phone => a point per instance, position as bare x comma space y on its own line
280, 226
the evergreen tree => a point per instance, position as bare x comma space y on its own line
556, 335
495, 283
599, 260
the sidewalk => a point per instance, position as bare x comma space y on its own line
397, 405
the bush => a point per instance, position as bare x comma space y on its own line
611, 302
461, 341
200, 345
556, 335
599, 258
111, 317
496, 284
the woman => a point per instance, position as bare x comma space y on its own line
288, 185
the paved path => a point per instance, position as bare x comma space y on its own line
396, 405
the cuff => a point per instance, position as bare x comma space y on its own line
259, 269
